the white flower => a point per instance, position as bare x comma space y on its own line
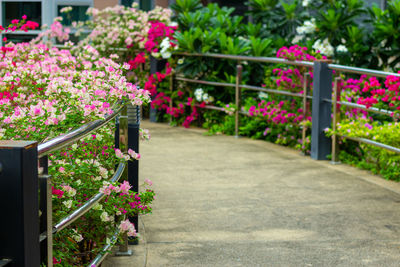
341, 49
198, 94
66, 9
263, 95
165, 55
104, 217
173, 24
180, 61
78, 182
71, 192
68, 203
165, 43
126, 66
76, 236
308, 26
205, 97
103, 172
305, 3
324, 47
74, 146
77, 161
98, 206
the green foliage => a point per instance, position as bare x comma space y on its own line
387, 33
333, 18
183, 6
279, 18
378, 160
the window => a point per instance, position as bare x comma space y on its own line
19, 38
127, 3
78, 13
15, 10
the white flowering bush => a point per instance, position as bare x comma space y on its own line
131, 28
134, 36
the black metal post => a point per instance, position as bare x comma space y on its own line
321, 110
133, 143
45, 207
116, 134
19, 203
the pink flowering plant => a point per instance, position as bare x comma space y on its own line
46, 92
19, 25
353, 122
131, 35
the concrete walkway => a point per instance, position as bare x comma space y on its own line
223, 201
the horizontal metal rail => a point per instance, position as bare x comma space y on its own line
218, 108
250, 58
371, 142
85, 207
210, 107
105, 251
363, 107
64, 140
337, 67
273, 91
179, 78
356, 70
249, 87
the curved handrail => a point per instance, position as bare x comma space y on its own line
106, 250
74, 135
88, 204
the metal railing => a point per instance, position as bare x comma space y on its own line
336, 119
323, 100
39, 243
239, 86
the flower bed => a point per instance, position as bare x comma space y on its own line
45, 92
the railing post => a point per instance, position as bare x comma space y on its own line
133, 143
306, 84
171, 89
19, 203
336, 118
239, 69
123, 146
321, 110
46, 216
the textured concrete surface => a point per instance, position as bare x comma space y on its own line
223, 201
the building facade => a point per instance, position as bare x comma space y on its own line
44, 12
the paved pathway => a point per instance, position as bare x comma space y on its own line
223, 201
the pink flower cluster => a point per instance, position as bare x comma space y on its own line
127, 227
58, 192
22, 25
83, 87
370, 91
297, 52
108, 188
139, 59
157, 32
132, 155
278, 113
